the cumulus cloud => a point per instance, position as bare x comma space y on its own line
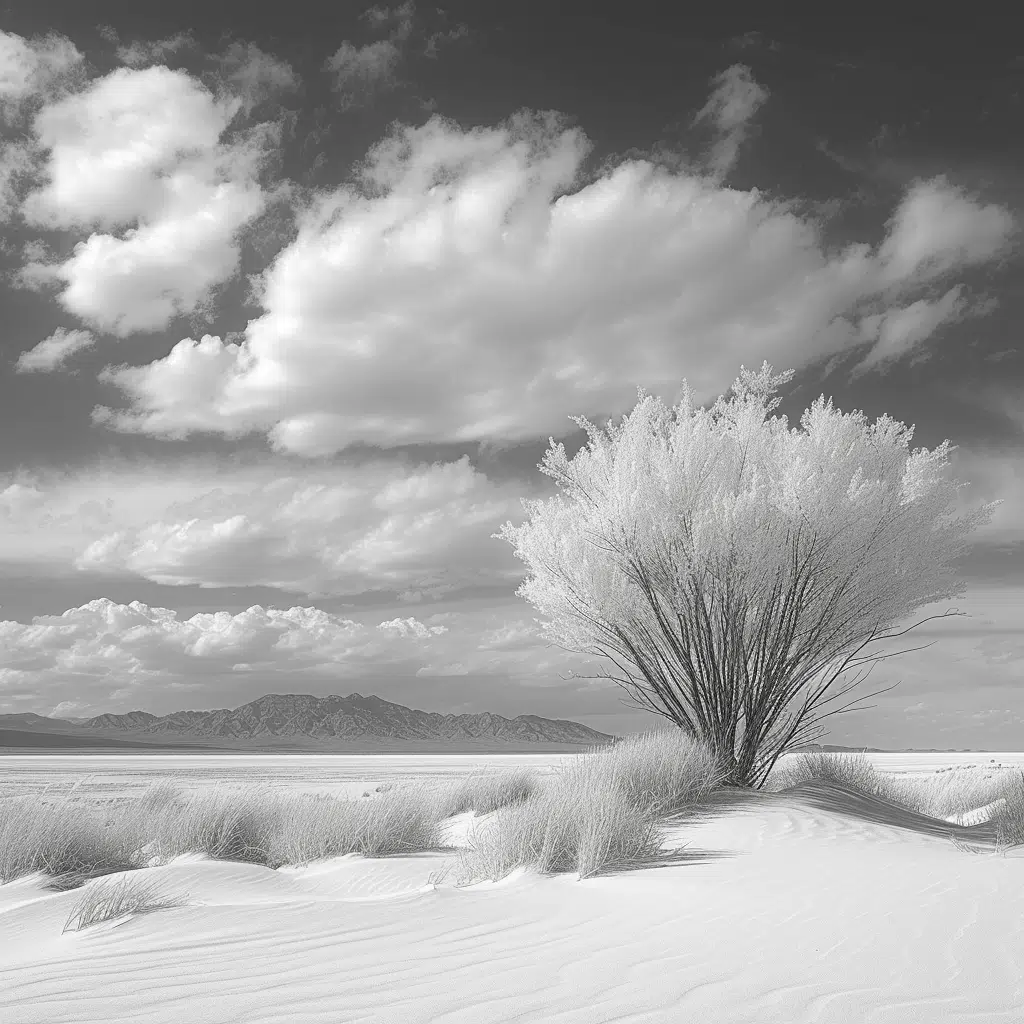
140, 53
129, 655
735, 98
33, 68
17, 162
939, 227
130, 645
415, 530
137, 157
360, 71
401, 16
472, 289
899, 331
438, 39
254, 75
52, 352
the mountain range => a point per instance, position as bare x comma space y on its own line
301, 722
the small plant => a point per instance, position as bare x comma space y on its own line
603, 810
853, 770
57, 839
667, 772
1009, 819
948, 794
486, 793
562, 830
107, 900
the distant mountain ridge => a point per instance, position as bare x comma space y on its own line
306, 719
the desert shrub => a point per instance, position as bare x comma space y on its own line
256, 826
848, 769
733, 569
603, 810
400, 821
106, 900
940, 795
562, 830
488, 792
275, 829
667, 772
1009, 818
225, 825
58, 839
159, 795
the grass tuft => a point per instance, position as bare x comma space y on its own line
58, 839
107, 900
1009, 819
603, 810
488, 792
945, 795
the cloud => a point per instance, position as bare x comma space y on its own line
139, 53
900, 331
137, 158
732, 104
255, 76
108, 656
52, 352
17, 162
360, 71
473, 289
414, 529
438, 39
403, 15
937, 228
33, 68
108, 645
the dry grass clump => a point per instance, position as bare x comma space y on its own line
488, 792
560, 830
58, 839
404, 820
944, 795
666, 772
602, 811
106, 900
1009, 819
75, 842
262, 827
853, 770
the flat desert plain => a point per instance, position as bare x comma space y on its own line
768, 907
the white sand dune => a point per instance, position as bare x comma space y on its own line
794, 908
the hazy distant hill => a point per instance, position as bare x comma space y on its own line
333, 717
305, 722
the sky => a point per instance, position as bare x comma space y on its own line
292, 301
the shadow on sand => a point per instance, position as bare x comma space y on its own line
839, 799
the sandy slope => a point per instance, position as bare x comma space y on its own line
788, 909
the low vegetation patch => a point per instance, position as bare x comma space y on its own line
72, 842
1009, 819
107, 900
604, 810
941, 795
58, 839
488, 792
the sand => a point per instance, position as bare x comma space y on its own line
792, 908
